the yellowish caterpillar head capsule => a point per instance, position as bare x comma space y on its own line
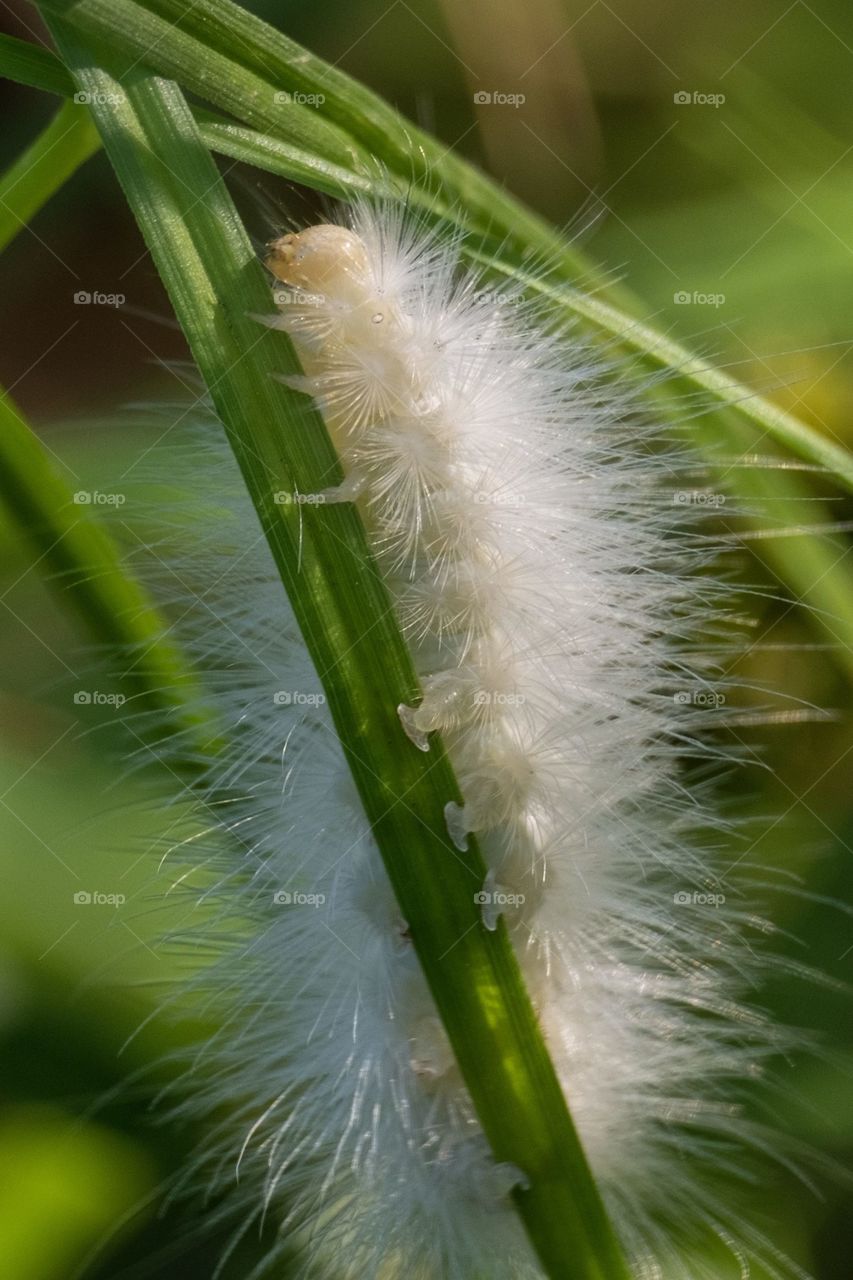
320, 259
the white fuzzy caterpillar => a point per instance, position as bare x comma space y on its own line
525, 537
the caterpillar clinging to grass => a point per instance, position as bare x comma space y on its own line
522, 513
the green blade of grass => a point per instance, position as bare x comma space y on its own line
224, 32
240, 63
71, 544
215, 76
41, 69
31, 64
246, 67
58, 151
276, 156
346, 617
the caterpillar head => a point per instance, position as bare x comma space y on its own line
321, 259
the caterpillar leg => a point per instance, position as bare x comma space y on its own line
450, 700
349, 490
458, 819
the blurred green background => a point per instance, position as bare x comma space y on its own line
703, 154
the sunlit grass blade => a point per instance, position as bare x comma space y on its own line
216, 283
276, 156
